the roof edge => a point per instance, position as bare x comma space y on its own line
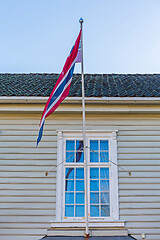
100, 100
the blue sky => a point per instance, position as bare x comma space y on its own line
120, 36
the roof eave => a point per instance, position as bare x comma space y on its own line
78, 100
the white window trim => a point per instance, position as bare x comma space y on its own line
112, 136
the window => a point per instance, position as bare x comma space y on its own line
102, 176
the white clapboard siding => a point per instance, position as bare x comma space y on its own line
27, 201
28, 197
126, 180
20, 186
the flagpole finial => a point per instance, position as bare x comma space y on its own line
81, 21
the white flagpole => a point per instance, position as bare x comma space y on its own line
84, 137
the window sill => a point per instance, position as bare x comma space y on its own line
96, 228
92, 223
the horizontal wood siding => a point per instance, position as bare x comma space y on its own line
28, 197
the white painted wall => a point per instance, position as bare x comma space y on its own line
28, 198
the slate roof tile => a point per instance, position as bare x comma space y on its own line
96, 85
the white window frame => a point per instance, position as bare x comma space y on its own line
111, 135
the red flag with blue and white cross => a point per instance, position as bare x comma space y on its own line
62, 86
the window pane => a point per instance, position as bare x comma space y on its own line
94, 210
94, 185
94, 197
79, 157
104, 157
105, 197
79, 210
79, 151
80, 198
94, 145
69, 198
79, 145
69, 211
79, 173
104, 145
94, 173
105, 210
94, 157
70, 173
104, 173
104, 185
79, 185
70, 145
70, 157
69, 185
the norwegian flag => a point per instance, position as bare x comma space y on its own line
62, 87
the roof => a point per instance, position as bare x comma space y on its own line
96, 85
90, 238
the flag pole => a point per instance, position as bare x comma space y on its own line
84, 137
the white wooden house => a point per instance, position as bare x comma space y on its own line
123, 126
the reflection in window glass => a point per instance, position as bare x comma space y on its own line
69, 186
69, 210
94, 145
74, 151
99, 151
94, 197
104, 145
74, 192
94, 157
105, 197
80, 198
70, 173
105, 211
79, 211
70, 145
70, 157
69, 198
99, 184
94, 185
99, 192
104, 173
94, 210
104, 157
79, 157
80, 173
94, 173
79, 185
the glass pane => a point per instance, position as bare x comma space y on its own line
94, 145
70, 145
94, 157
79, 173
94, 173
69, 185
70, 173
94, 185
104, 157
104, 185
104, 145
94, 197
105, 210
79, 145
104, 173
69, 198
80, 198
69, 211
79, 185
105, 197
94, 210
70, 157
79, 157
79, 210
